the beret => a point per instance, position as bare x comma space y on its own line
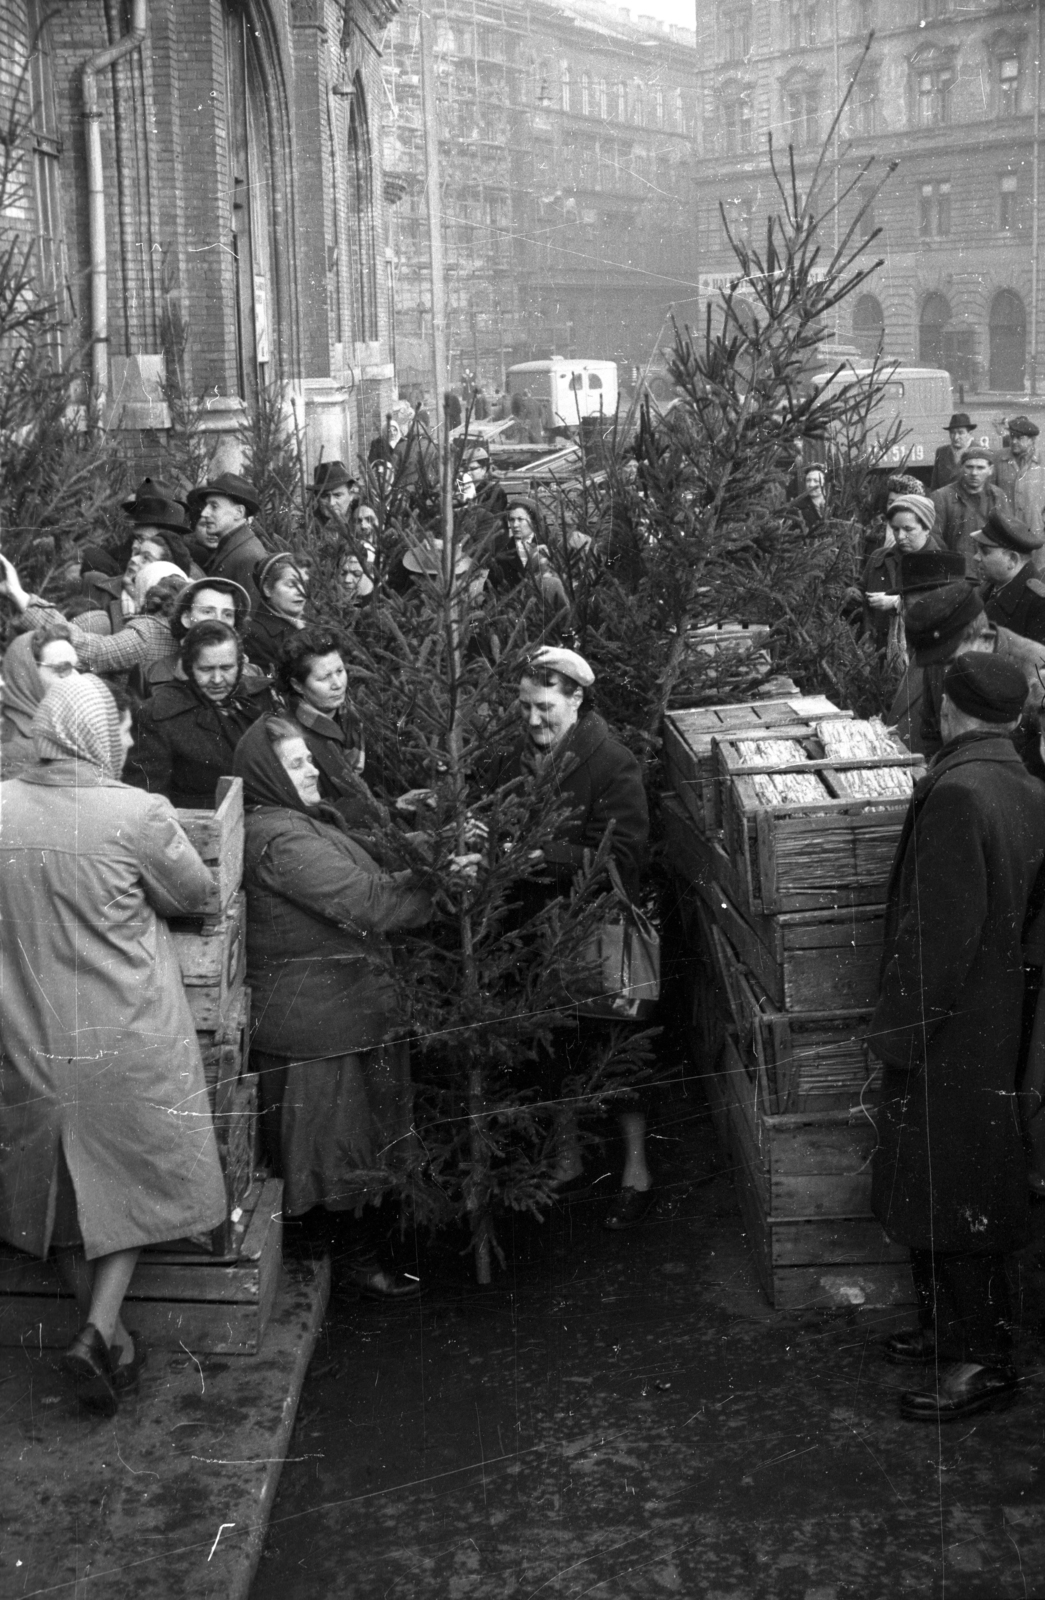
934, 620
919, 505
1010, 533
977, 452
1025, 426
568, 662
985, 687
929, 569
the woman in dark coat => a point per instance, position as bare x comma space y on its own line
280, 611
335, 1081
186, 734
949, 1176
314, 680
598, 782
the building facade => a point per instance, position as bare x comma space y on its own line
566, 144
202, 182
952, 92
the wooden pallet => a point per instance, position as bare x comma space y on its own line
688, 739
217, 836
176, 1300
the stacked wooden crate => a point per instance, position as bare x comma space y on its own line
782, 829
212, 1293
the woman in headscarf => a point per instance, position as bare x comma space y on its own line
280, 612
32, 662
146, 638
334, 1079
911, 518
186, 733
108, 1142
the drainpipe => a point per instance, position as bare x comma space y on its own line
1034, 215
99, 266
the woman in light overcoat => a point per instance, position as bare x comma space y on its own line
106, 1136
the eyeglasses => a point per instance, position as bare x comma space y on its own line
61, 669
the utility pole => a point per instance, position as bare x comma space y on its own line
433, 189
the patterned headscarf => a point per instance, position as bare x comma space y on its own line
78, 717
23, 686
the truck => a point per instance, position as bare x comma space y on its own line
568, 390
919, 398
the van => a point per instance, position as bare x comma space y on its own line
920, 399
567, 390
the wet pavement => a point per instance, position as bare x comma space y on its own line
623, 1416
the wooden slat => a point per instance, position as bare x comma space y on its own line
846, 1286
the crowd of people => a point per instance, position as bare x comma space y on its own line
191, 652
188, 655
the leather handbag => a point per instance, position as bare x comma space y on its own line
620, 963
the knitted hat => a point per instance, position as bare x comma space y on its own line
977, 452
919, 505
934, 620
986, 687
78, 717
568, 662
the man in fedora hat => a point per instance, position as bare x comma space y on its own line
335, 492
159, 529
222, 510
964, 505
948, 456
1020, 475
1013, 596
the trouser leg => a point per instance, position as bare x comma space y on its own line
979, 1291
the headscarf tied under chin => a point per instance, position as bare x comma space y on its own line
23, 686
266, 781
78, 717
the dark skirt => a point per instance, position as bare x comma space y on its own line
338, 1130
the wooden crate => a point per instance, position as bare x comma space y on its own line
213, 959
810, 960
217, 836
803, 1182
688, 739
226, 1050
176, 1300
814, 1061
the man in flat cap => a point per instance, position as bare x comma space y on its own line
948, 458
1013, 595
964, 505
1020, 475
949, 1175
947, 622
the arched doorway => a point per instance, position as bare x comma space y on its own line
868, 327
1008, 336
932, 345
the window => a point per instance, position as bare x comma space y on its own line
638, 109
254, 238
934, 210
868, 327
658, 106
1008, 202
803, 23
803, 116
622, 102
362, 251
564, 83
1008, 86
736, 125
585, 94
1008, 342
932, 104
600, 98
734, 24
737, 216
680, 116
863, 105
865, 200
46, 148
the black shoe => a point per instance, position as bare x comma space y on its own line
88, 1361
126, 1375
377, 1282
912, 1347
965, 1388
629, 1208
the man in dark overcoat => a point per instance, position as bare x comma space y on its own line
949, 1175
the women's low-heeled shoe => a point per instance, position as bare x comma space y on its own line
88, 1362
630, 1206
911, 1347
965, 1388
126, 1375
